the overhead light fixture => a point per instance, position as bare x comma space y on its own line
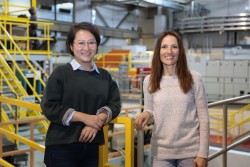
243, 14
66, 5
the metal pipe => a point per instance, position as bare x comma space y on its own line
224, 137
140, 148
231, 146
140, 133
227, 101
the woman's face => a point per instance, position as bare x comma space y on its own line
169, 51
84, 47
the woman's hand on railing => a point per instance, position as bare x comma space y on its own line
142, 120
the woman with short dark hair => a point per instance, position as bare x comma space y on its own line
78, 100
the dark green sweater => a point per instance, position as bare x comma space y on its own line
82, 91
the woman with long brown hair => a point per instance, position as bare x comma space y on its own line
175, 98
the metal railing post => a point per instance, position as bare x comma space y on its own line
224, 142
140, 148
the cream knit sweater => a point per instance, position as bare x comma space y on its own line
181, 128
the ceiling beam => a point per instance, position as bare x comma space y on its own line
105, 31
168, 4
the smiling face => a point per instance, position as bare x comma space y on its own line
169, 51
84, 48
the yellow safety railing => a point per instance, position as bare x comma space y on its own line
32, 107
5, 163
103, 161
14, 136
18, 28
129, 143
11, 53
29, 142
10, 9
22, 139
14, 18
237, 121
32, 86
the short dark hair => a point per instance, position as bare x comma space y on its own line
81, 26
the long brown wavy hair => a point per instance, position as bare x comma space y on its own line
182, 71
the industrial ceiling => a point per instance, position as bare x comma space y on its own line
174, 4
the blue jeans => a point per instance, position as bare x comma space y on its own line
72, 155
188, 162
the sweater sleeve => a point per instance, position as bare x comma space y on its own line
51, 103
148, 97
202, 111
114, 99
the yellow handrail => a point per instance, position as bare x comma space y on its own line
22, 139
5, 163
6, 7
129, 143
20, 103
8, 36
234, 124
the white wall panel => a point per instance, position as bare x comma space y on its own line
213, 68
228, 90
240, 89
248, 90
241, 68
248, 71
226, 68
